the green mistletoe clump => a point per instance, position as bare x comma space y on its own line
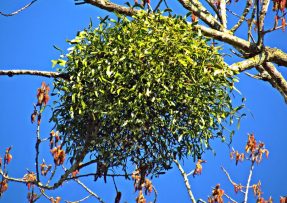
143, 91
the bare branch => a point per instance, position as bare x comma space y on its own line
198, 9
45, 195
186, 182
229, 178
230, 198
115, 184
259, 33
277, 56
155, 194
190, 173
81, 200
248, 182
47, 74
243, 16
276, 76
261, 17
158, 5
93, 174
273, 29
223, 13
19, 10
52, 175
109, 6
89, 191
267, 77
226, 37
250, 23
249, 63
214, 9
18, 180
258, 76
37, 145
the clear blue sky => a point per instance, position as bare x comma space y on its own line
27, 42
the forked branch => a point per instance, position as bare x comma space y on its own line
186, 182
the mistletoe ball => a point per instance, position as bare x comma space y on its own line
142, 92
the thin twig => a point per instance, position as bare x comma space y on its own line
47, 74
165, 3
273, 29
229, 178
93, 174
259, 32
52, 175
89, 190
19, 10
155, 194
5, 176
45, 195
86, 188
230, 198
81, 200
190, 173
115, 184
158, 5
250, 23
37, 145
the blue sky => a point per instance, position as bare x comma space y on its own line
27, 42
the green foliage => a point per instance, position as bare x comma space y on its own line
142, 91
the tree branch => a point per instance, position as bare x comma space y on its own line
268, 55
243, 16
186, 182
81, 200
19, 10
265, 5
229, 178
93, 174
109, 6
37, 145
47, 74
214, 8
266, 77
249, 63
18, 180
273, 29
226, 37
155, 194
277, 56
248, 182
223, 13
89, 191
276, 76
198, 9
